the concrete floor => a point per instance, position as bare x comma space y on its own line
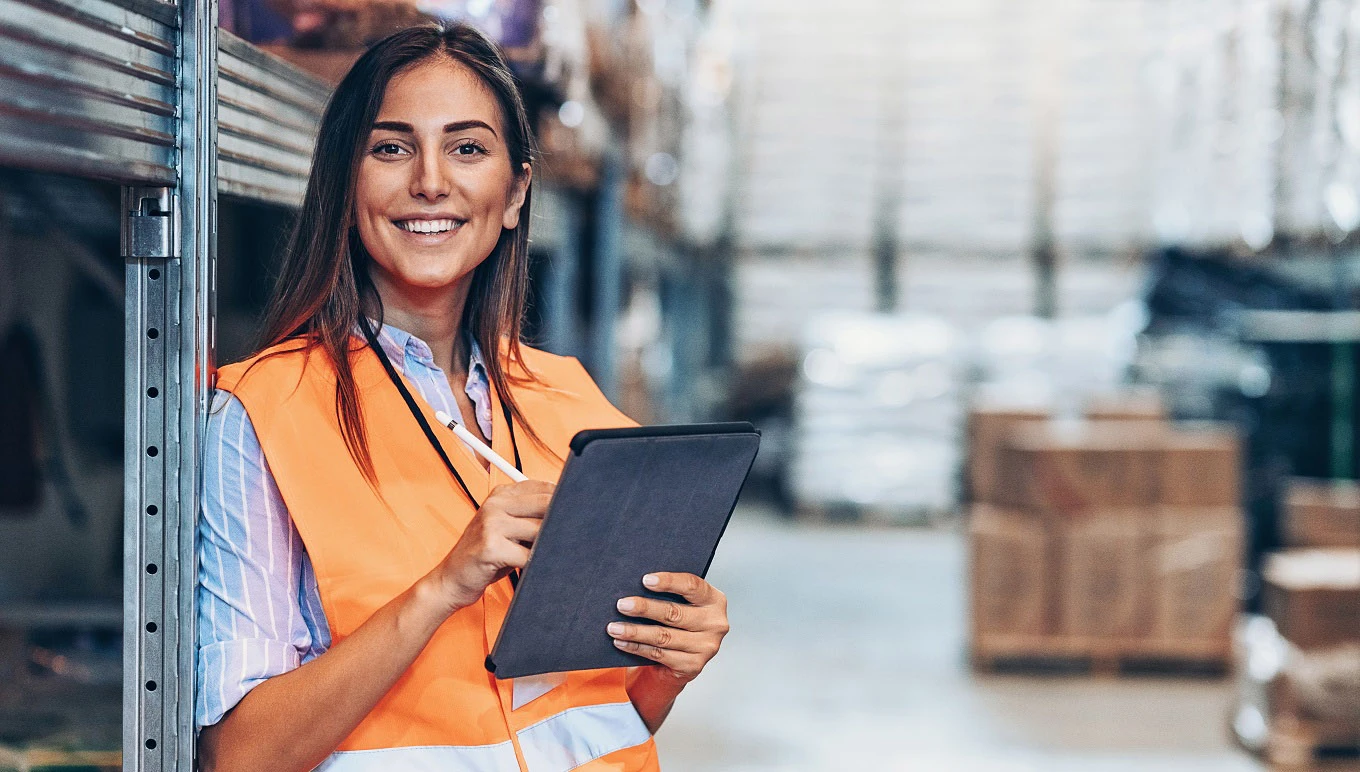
847, 653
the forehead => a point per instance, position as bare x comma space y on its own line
437, 92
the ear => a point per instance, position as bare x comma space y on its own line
518, 191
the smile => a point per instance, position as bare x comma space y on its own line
428, 226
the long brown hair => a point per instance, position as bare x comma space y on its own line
323, 286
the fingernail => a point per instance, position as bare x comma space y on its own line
651, 580
626, 604
621, 644
615, 628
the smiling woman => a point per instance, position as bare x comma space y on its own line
424, 127
355, 566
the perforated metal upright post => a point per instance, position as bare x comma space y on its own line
168, 244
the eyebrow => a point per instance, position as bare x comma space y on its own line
449, 128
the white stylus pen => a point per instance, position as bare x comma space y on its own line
481, 447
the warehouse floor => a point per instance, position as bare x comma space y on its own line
847, 653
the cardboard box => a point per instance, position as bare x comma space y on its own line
1129, 405
989, 425
1201, 466
1193, 575
1009, 571
1101, 586
1313, 595
1322, 513
1073, 469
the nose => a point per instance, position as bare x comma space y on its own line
430, 178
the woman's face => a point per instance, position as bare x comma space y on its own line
435, 185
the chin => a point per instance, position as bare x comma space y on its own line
431, 279
426, 269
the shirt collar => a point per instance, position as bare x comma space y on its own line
476, 364
397, 343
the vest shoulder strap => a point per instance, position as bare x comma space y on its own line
564, 379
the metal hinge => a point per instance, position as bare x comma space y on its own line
151, 225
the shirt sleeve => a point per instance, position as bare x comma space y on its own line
258, 614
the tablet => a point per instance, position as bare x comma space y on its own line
629, 502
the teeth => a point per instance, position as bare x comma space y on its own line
426, 226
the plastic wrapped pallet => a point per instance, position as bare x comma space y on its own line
878, 415
1294, 704
1075, 360
1324, 684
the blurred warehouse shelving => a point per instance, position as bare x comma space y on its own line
1091, 196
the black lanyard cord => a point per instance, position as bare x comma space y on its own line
425, 425
415, 409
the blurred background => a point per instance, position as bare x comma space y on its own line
1047, 311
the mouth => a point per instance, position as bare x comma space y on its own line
429, 227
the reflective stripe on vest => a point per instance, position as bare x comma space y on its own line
570, 739
580, 735
427, 758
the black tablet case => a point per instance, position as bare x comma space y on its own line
629, 502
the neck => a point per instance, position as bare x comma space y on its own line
432, 314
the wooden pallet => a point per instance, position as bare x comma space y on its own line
1099, 656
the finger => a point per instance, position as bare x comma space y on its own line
688, 586
533, 505
661, 637
526, 488
683, 664
665, 612
509, 554
522, 530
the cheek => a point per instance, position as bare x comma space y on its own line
381, 250
371, 190
486, 188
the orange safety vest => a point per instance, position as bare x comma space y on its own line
446, 712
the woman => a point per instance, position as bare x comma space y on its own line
355, 564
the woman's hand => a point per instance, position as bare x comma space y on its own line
496, 542
688, 636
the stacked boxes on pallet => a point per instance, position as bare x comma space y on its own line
1310, 700
1114, 538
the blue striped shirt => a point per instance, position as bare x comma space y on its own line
259, 610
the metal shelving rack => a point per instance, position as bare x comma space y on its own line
148, 95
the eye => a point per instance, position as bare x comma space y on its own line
469, 148
388, 149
